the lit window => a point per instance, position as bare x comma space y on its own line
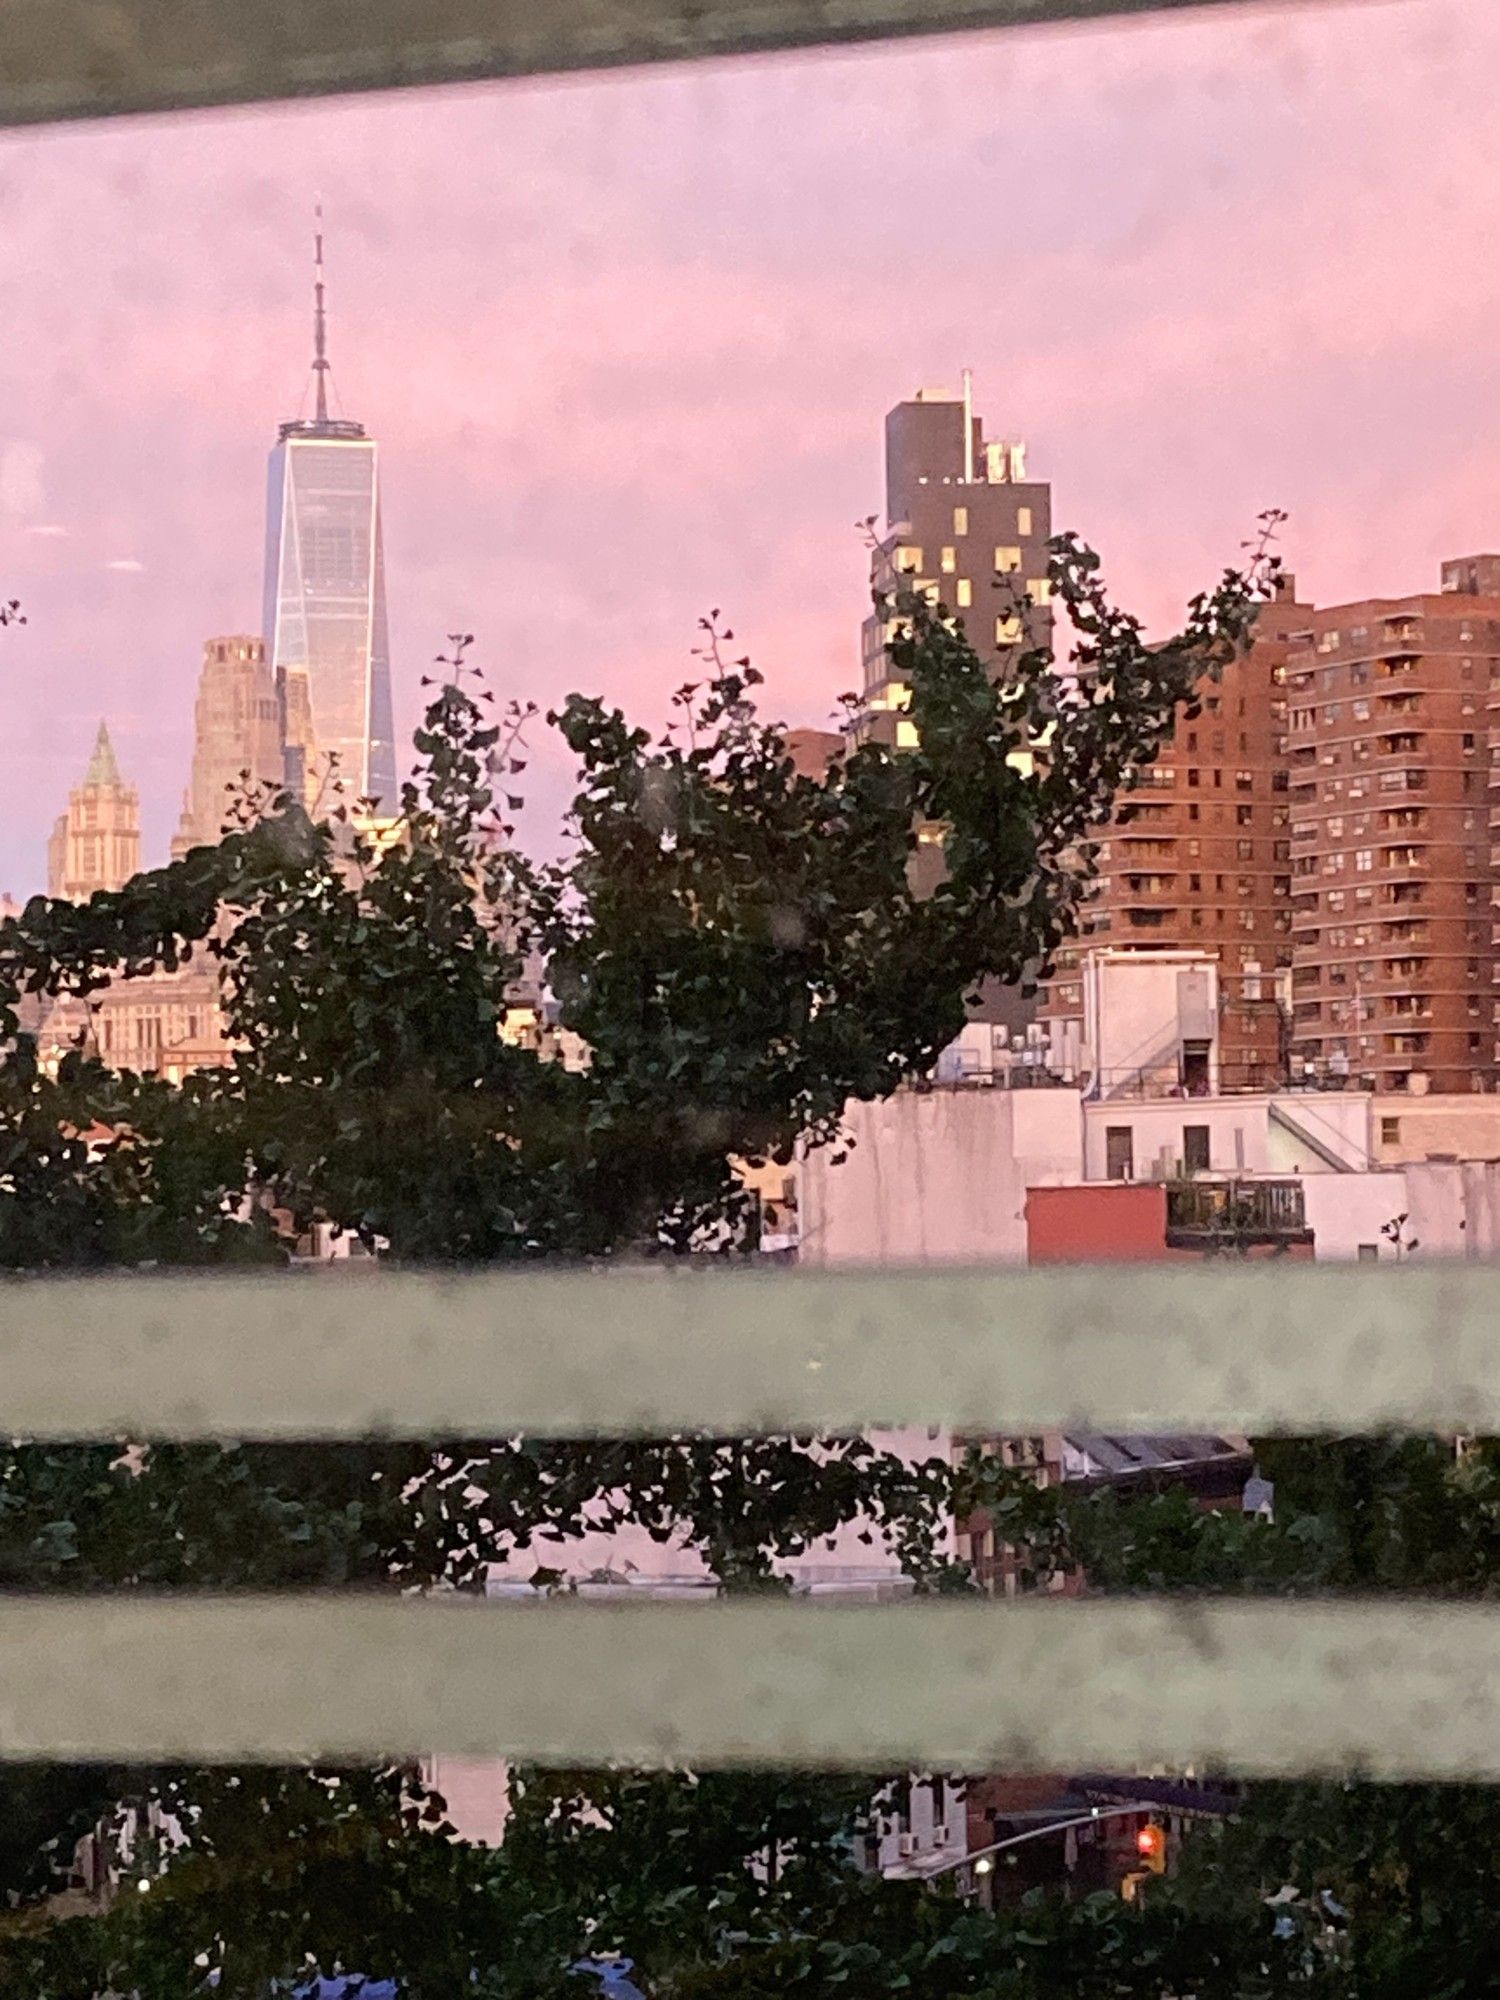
964, 593
960, 520
948, 561
1007, 629
1023, 520
908, 560
1039, 589
907, 735
1364, 859
1007, 560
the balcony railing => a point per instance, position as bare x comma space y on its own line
1203, 1213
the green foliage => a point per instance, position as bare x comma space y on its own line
742, 949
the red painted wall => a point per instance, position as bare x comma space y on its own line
1119, 1222
1114, 1222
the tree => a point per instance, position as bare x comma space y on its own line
742, 951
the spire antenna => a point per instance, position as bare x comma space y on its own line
320, 322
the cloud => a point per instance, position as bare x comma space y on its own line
52, 530
126, 565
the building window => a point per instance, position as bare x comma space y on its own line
964, 593
1023, 520
1390, 1131
960, 520
1007, 560
1119, 1152
1364, 859
948, 561
1039, 589
1195, 1148
908, 560
1192, 778
1368, 1253
1007, 629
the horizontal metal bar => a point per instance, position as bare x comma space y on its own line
95, 58
1398, 1691
1245, 1347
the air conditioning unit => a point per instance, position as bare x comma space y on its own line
906, 1845
941, 1837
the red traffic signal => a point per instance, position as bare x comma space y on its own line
1151, 1846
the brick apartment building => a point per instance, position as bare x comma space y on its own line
1198, 857
1394, 956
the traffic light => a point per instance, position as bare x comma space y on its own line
1151, 1846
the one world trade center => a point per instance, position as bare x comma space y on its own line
325, 620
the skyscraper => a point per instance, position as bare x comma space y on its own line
96, 843
965, 527
237, 739
325, 617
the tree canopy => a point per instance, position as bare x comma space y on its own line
742, 950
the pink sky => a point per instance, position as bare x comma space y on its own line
628, 345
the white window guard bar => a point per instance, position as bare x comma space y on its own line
1395, 1691
1392, 1689
83, 59
1223, 1346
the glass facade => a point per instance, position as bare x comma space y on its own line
325, 613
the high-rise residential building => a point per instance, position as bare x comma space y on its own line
964, 526
325, 615
237, 738
1394, 954
96, 843
1197, 858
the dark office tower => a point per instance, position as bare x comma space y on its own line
965, 527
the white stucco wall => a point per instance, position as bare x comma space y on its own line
1306, 1125
1347, 1210
1244, 1135
1453, 1207
1238, 1140
938, 1176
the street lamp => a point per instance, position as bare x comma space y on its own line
982, 1859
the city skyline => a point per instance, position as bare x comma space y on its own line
1194, 268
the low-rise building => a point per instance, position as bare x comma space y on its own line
937, 1175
